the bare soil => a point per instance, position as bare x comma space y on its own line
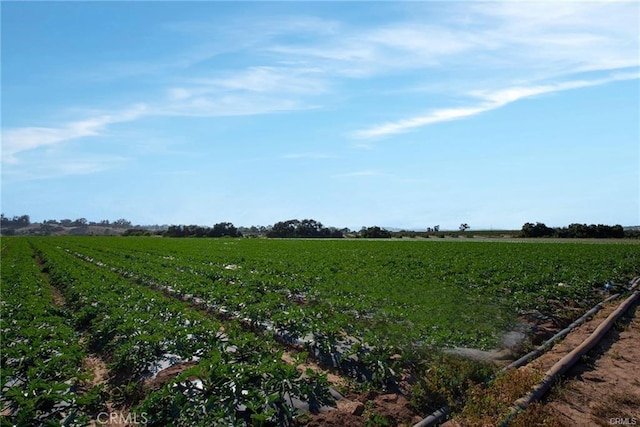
111, 415
56, 295
357, 409
98, 369
604, 388
167, 375
368, 409
335, 380
58, 298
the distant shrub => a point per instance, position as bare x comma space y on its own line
375, 233
136, 232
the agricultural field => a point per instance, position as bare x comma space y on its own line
224, 317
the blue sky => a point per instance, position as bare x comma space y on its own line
403, 114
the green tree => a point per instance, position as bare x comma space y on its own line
374, 232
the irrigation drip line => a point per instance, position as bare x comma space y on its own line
570, 359
340, 358
282, 336
549, 343
435, 418
439, 416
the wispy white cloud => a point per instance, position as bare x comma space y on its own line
254, 90
263, 79
17, 140
506, 96
552, 38
483, 42
251, 91
56, 167
491, 100
261, 90
227, 105
258, 91
405, 125
513, 38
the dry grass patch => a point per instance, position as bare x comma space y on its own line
490, 404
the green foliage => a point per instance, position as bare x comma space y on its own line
397, 293
41, 357
240, 376
375, 232
222, 229
136, 232
132, 300
374, 419
224, 391
576, 231
537, 230
307, 228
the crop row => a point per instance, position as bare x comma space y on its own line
41, 358
440, 293
263, 302
361, 300
236, 378
358, 304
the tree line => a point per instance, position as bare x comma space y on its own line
22, 224
577, 231
306, 228
25, 221
293, 228
222, 229
289, 229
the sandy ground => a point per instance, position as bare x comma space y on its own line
368, 409
604, 389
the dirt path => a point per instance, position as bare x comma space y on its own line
95, 366
604, 388
56, 295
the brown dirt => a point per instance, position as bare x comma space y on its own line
367, 409
573, 339
357, 409
604, 388
167, 375
56, 295
335, 380
111, 416
98, 369
58, 298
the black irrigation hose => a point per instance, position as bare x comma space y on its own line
441, 414
348, 366
547, 344
569, 360
436, 418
